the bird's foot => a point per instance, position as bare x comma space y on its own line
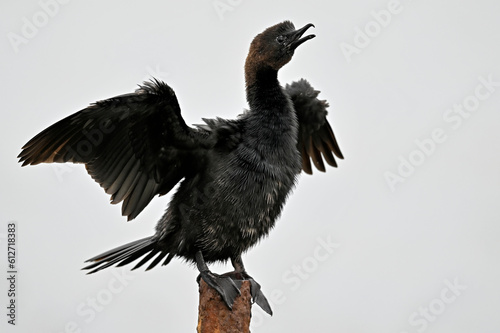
227, 288
255, 289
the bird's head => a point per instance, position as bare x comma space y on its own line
274, 47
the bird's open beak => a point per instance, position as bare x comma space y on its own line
295, 37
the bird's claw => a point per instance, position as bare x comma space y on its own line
258, 296
224, 285
255, 289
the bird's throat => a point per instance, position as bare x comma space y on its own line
263, 89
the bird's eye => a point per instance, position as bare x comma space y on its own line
280, 39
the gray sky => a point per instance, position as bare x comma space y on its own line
402, 237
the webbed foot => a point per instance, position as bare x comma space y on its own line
224, 285
255, 289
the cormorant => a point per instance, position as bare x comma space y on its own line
235, 175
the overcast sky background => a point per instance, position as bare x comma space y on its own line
419, 253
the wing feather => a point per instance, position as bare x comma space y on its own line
135, 145
316, 140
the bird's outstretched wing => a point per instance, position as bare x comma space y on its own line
135, 145
315, 139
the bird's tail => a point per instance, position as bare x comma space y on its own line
127, 253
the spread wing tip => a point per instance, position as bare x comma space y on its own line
316, 139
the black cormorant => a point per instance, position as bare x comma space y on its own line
235, 175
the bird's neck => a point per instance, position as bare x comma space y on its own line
263, 89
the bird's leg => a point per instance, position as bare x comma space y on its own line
224, 285
255, 290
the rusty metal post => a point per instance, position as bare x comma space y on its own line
215, 317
